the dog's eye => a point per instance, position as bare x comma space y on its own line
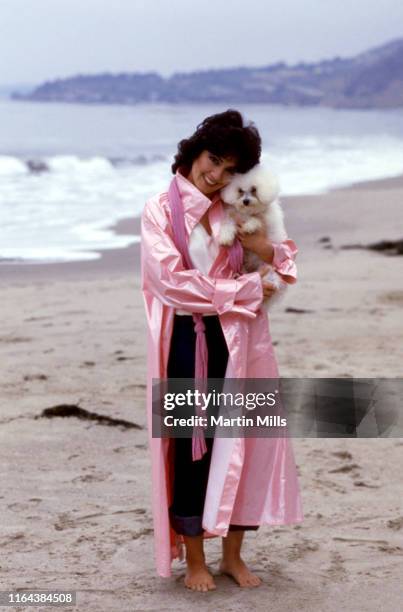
240, 191
253, 190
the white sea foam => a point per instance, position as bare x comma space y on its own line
68, 209
57, 206
309, 166
12, 166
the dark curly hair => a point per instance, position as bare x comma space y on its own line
224, 135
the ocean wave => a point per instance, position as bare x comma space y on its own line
61, 207
139, 160
12, 166
15, 166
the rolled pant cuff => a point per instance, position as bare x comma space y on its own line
192, 525
186, 525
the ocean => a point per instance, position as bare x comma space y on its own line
68, 171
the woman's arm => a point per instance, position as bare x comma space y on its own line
283, 262
164, 276
280, 255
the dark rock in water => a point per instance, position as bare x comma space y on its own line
389, 247
7, 260
325, 239
72, 410
37, 166
140, 160
119, 161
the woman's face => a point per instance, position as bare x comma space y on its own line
209, 173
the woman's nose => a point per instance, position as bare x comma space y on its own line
217, 174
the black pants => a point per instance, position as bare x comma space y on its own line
191, 477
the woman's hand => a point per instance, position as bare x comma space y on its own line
268, 288
257, 243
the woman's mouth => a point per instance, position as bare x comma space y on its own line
209, 182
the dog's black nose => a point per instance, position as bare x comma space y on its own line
246, 201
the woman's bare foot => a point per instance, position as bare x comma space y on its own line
232, 563
237, 569
198, 578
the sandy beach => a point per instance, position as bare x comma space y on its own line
75, 498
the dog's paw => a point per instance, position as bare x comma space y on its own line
275, 279
227, 235
281, 287
252, 225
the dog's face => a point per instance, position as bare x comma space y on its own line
251, 193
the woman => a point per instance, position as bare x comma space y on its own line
234, 484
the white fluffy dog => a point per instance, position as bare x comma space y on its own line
252, 199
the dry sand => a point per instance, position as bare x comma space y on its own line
75, 494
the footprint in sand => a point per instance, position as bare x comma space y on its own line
301, 549
20, 506
100, 477
142, 532
343, 455
361, 483
396, 523
345, 469
316, 452
11, 538
14, 339
392, 297
64, 522
390, 549
336, 570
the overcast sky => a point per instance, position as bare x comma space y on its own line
45, 39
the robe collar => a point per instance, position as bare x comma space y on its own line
195, 204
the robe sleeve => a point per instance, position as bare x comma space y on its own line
283, 262
164, 276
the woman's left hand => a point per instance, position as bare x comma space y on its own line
257, 243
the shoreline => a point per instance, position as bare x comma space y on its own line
120, 261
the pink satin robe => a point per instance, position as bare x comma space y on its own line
252, 481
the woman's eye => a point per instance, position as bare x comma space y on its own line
214, 159
229, 172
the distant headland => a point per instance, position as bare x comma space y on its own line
372, 79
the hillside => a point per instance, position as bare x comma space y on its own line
373, 79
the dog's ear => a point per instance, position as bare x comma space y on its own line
268, 186
229, 193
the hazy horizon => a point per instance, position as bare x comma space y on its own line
47, 40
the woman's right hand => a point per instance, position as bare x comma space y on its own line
268, 288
